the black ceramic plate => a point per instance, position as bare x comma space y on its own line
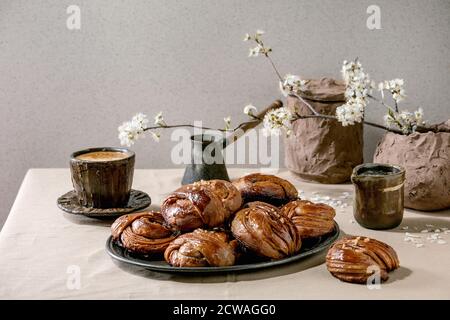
309, 248
138, 200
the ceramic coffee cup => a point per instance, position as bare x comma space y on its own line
379, 195
102, 177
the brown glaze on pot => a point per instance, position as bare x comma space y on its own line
378, 200
102, 184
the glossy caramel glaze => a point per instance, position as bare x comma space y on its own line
261, 228
143, 232
201, 248
266, 188
310, 219
354, 259
203, 204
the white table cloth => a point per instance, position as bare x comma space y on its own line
43, 252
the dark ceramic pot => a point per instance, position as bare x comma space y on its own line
102, 184
378, 199
207, 161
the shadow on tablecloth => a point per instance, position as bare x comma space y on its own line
271, 272
422, 224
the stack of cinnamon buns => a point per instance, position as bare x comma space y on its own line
212, 223
215, 223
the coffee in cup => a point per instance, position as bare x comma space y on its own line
102, 177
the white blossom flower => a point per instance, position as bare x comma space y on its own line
247, 37
140, 120
381, 89
254, 52
406, 121
418, 114
132, 130
350, 113
129, 132
395, 87
249, 110
277, 120
259, 32
227, 121
359, 87
155, 135
389, 120
351, 69
159, 120
292, 83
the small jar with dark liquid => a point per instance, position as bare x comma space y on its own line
378, 200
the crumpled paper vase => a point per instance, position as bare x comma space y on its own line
426, 158
322, 150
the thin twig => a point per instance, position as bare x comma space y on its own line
310, 107
274, 67
202, 128
381, 102
315, 116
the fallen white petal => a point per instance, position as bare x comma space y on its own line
412, 235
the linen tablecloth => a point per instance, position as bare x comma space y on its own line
42, 249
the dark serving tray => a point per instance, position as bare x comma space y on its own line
311, 247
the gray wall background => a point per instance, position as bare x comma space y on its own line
63, 90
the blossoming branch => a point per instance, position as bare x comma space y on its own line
138, 126
358, 93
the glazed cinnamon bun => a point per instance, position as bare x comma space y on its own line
266, 188
261, 228
310, 219
355, 259
203, 204
143, 232
201, 248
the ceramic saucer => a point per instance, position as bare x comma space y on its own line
138, 200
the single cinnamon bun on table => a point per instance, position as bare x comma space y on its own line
201, 248
203, 204
261, 228
266, 188
310, 219
143, 232
355, 259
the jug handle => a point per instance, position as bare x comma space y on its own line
250, 125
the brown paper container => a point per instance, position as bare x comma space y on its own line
426, 158
323, 150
